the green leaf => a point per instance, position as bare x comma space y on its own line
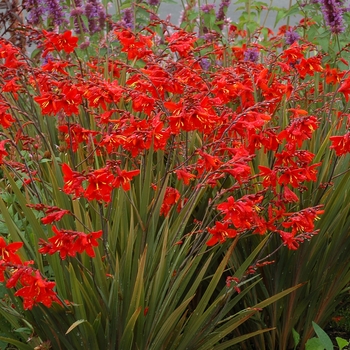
341, 343
18, 344
296, 337
323, 336
281, 13
314, 344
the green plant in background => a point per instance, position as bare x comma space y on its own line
321, 342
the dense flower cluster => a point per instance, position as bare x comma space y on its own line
217, 119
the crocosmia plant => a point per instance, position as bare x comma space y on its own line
147, 174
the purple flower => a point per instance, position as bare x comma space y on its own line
78, 3
153, 2
36, 9
207, 8
205, 63
128, 18
55, 12
291, 37
333, 14
220, 16
251, 55
77, 20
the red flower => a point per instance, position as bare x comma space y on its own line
220, 233
8, 254
6, 119
171, 197
36, 290
100, 185
181, 42
49, 103
292, 176
65, 42
269, 176
345, 89
289, 240
241, 213
86, 242
54, 216
302, 221
3, 152
69, 243
135, 46
185, 176
73, 181
341, 144
123, 178
289, 196
8, 251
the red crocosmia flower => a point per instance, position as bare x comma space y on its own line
143, 103
185, 176
292, 176
309, 66
300, 129
11, 86
241, 213
69, 243
181, 42
135, 45
171, 197
341, 144
3, 152
207, 162
72, 181
6, 119
310, 172
57, 66
75, 135
269, 176
289, 196
8, 252
345, 89
2, 270
123, 178
49, 103
86, 242
54, 216
293, 53
37, 290
220, 232
333, 75
302, 221
289, 240
65, 42
297, 112
100, 185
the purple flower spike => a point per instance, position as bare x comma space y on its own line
220, 16
333, 14
55, 11
205, 63
128, 18
36, 9
207, 8
291, 37
251, 55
